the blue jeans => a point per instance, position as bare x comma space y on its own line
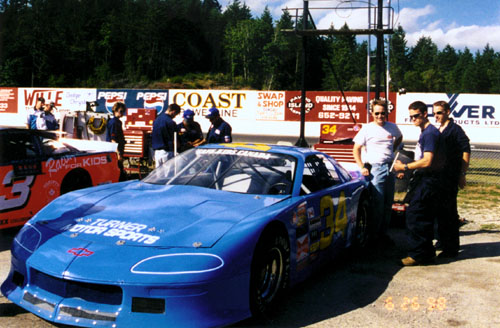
382, 190
161, 156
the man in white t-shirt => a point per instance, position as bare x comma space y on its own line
380, 139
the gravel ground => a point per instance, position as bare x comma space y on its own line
372, 290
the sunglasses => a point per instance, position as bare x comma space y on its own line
380, 114
414, 117
438, 113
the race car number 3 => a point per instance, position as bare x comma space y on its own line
413, 304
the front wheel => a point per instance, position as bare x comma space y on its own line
269, 274
361, 235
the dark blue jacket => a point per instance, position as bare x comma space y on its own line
162, 136
220, 133
114, 132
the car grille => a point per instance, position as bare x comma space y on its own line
96, 293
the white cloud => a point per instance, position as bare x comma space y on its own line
413, 19
473, 37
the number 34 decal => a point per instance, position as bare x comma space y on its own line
15, 195
333, 226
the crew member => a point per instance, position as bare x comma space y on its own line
114, 133
163, 135
220, 130
190, 134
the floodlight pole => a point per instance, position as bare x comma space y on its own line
302, 140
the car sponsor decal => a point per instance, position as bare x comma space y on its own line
302, 248
254, 146
70, 162
122, 230
80, 252
245, 153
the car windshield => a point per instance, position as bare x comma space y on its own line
241, 171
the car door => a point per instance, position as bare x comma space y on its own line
322, 217
20, 172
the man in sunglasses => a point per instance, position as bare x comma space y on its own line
425, 188
456, 146
379, 139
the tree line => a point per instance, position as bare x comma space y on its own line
196, 44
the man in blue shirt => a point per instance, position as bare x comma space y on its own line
190, 134
456, 146
162, 137
425, 188
220, 130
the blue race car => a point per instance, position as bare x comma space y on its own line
210, 238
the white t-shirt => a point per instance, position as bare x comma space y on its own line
378, 141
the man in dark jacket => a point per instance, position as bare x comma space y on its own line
220, 130
162, 137
456, 146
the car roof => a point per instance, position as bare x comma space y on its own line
39, 132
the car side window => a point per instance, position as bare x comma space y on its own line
18, 146
319, 173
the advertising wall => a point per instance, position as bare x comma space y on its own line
273, 113
476, 114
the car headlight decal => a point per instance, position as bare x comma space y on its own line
181, 263
29, 238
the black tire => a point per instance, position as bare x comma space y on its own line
76, 179
361, 233
269, 273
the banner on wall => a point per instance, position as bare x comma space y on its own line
270, 105
468, 110
330, 106
232, 104
136, 98
8, 100
65, 98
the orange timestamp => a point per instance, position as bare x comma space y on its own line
414, 304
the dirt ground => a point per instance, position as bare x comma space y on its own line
372, 290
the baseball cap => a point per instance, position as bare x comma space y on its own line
188, 114
213, 112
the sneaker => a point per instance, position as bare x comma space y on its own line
409, 261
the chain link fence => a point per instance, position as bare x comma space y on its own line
484, 165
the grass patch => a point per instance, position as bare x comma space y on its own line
489, 227
484, 170
479, 196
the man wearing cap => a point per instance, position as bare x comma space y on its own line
220, 130
190, 134
162, 137
34, 113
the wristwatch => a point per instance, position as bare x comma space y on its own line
406, 167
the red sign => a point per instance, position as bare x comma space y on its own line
8, 100
330, 106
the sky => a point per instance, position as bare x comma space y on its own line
459, 23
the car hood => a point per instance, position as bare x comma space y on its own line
142, 214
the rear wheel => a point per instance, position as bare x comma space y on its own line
269, 274
76, 179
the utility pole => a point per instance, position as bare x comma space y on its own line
301, 142
380, 48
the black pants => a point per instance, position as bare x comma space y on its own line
447, 219
420, 214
